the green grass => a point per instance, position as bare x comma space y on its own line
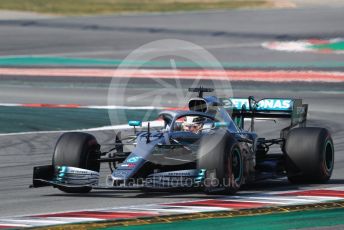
332, 46
84, 7
23, 119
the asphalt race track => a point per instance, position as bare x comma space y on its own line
20, 153
234, 36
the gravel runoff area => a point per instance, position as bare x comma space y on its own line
21, 15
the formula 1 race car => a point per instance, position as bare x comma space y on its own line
206, 147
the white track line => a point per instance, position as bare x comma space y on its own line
14, 225
43, 105
153, 124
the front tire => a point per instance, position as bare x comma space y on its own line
79, 150
309, 155
221, 156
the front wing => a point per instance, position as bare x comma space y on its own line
75, 178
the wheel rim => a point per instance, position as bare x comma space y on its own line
329, 156
236, 165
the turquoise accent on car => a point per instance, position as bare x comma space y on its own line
133, 159
268, 104
135, 123
201, 176
61, 174
221, 124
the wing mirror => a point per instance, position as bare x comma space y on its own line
134, 124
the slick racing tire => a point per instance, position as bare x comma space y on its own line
79, 150
220, 155
309, 155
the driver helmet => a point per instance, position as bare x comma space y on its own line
193, 123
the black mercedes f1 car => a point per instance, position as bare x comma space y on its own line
206, 147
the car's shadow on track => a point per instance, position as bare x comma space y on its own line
133, 194
259, 187
278, 185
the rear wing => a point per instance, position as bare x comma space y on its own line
240, 108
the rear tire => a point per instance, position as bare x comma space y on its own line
220, 154
79, 150
309, 155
